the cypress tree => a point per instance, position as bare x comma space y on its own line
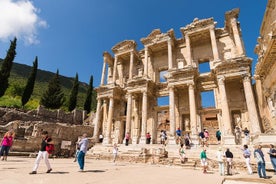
53, 97
74, 94
88, 100
30, 84
6, 67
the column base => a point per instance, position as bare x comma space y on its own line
171, 140
229, 140
106, 141
142, 140
134, 140
195, 141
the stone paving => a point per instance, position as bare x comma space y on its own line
16, 171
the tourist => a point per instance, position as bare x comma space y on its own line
206, 137
237, 135
101, 138
272, 155
6, 144
218, 136
178, 136
77, 153
163, 137
203, 160
229, 161
115, 152
247, 136
148, 138
43, 154
182, 154
201, 138
187, 141
259, 155
246, 155
83, 144
127, 137
220, 159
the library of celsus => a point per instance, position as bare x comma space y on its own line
134, 81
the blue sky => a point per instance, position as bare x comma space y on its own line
71, 35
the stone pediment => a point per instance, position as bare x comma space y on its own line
156, 36
126, 45
198, 24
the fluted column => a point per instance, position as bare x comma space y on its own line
131, 64
103, 73
170, 63
144, 117
115, 69
109, 121
97, 121
129, 112
224, 107
214, 43
146, 61
192, 104
251, 106
172, 112
236, 35
188, 46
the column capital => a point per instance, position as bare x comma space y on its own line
221, 80
247, 78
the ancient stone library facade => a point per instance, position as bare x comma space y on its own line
132, 83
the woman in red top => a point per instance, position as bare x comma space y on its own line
6, 144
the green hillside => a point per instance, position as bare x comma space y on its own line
19, 76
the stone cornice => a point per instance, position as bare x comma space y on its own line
156, 37
126, 45
197, 24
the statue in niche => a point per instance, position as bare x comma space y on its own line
271, 106
238, 121
187, 124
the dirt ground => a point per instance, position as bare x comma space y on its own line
16, 171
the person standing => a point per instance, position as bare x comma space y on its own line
247, 135
127, 137
229, 161
272, 155
6, 144
115, 152
178, 136
218, 136
237, 135
148, 138
83, 144
259, 155
220, 157
101, 138
203, 160
43, 154
182, 154
246, 155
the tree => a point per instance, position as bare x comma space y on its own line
6, 67
72, 103
53, 97
30, 84
88, 100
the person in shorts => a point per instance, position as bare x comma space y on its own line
203, 160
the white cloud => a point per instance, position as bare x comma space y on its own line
19, 18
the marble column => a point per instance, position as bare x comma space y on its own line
172, 116
227, 134
129, 112
237, 37
103, 73
97, 121
192, 103
170, 60
251, 106
107, 139
188, 46
146, 61
131, 64
144, 118
115, 69
214, 43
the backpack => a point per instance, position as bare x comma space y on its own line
50, 148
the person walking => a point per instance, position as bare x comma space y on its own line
203, 160
272, 155
6, 144
83, 144
246, 155
218, 136
259, 155
115, 152
127, 137
220, 159
178, 136
43, 154
148, 138
182, 154
229, 161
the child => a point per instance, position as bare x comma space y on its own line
115, 152
77, 153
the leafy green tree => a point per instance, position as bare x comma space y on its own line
6, 67
53, 97
88, 100
30, 84
72, 103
